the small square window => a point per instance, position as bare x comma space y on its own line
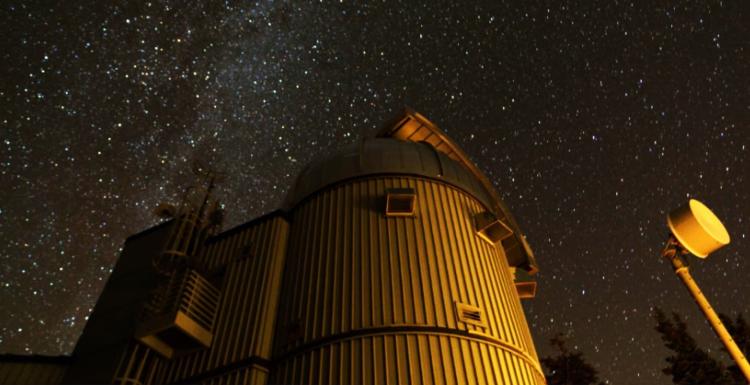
524, 282
492, 229
526, 290
400, 202
470, 314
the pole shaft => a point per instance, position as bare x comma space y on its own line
721, 331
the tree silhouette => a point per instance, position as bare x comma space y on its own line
568, 368
689, 364
740, 331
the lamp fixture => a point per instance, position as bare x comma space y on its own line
695, 229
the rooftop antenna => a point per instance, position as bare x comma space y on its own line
181, 312
197, 216
695, 229
210, 178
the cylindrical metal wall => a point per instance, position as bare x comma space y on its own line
370, 299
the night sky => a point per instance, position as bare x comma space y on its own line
593, 121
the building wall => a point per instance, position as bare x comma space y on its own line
249, 261
370, 299
32, 370
111, 325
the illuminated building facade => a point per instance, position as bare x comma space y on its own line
392, 261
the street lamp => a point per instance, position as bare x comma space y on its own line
695, 229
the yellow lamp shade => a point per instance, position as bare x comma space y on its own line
697, 229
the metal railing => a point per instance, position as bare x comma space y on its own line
198, 299
182, 309
189, 293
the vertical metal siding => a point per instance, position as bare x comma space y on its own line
406, 359
350, 269
351, 278
254, 261
31, 373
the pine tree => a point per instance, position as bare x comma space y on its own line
568, 368
740, 331
688, 365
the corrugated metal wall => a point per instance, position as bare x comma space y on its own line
248, 375
25, 371
371, 299
408, 358
253, 258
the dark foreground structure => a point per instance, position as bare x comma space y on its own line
392, 261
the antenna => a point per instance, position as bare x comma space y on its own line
198, 216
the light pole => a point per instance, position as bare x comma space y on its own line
695, 229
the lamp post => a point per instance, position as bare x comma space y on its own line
695, 229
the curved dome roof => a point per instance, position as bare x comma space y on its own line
412, 145
377, 156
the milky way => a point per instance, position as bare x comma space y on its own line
592, 121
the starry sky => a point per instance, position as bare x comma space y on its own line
593, 121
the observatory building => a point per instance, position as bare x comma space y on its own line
392, 261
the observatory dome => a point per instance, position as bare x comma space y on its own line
380, 156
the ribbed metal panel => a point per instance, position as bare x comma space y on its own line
25, 371
407, 359
138, 365
253, 259
374, 297
242, 376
